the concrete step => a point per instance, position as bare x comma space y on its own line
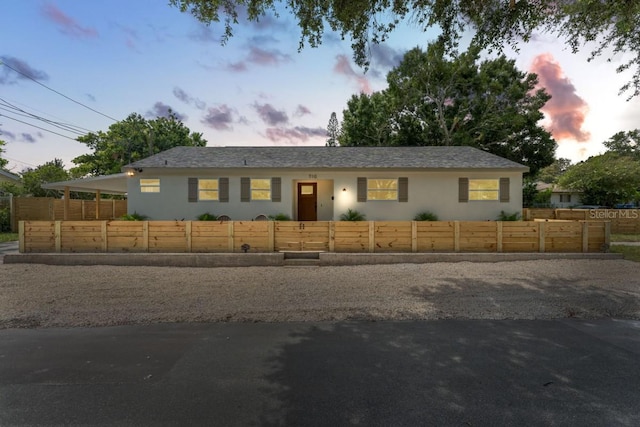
301, 262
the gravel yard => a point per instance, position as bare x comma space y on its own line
33, 295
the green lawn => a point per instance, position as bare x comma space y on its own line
625, 237
632, 253
8, 237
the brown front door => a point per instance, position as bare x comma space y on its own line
307, 201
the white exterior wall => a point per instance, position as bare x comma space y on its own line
555, 200
436, 192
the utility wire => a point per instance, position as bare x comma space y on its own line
57, 125
72, 127
55, 91
41, 128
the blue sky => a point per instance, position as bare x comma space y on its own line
121, 56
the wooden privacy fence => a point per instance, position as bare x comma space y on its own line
623, 221
49, 209
269, 236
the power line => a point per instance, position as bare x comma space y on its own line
70, 126
38, 127
58, 125
55, 91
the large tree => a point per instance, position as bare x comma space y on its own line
3, 162
550, 174
435, 99
132, 139
625, 143
333, 131
605, 180
608, 27
33, 178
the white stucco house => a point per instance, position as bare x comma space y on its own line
561, 197
321, 183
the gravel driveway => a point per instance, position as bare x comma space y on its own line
33, 295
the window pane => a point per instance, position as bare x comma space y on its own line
261, 189
261, 184
382, 195
208, 184
208, 195
382, 189
260, 195
306, 189
483, 195
484, 184
149, 185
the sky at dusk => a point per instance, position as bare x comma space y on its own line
117, 57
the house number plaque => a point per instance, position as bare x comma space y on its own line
313, 175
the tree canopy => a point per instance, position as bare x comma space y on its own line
333, 131
434, 99
3, 162
132, 139
609, 27
33, 178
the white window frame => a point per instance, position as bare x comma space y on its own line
152, 185
371, 191
253, 189
204, 191
473, 193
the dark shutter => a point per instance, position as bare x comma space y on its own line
504, 189
223, 190
276, 189
362, 189
193, 190
463, 190
403, 189
245, 189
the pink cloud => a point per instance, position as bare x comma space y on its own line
266, 57
67, 24
294, 135
219, 118
565, 109
344, 67
302, 111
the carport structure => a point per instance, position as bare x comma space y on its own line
106, 184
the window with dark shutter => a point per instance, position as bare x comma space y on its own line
224, 190
403, 189
463, 190
362, 189
245, 189
276, 189
504, 190
193, 190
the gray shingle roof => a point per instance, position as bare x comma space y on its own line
327, 158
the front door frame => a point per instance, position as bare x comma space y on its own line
314, 200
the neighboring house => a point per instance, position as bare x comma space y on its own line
560, 197
321, 183
6, 176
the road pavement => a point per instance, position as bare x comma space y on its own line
447, 372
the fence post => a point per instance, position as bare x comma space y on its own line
541, 247
332, 236
272, 235
499, 236
230, 234
145, 236
372, 236
456, 236
187, 231
414, 236
58, 238
103, 232
21, 237
585, 236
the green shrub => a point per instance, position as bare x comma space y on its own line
5, 220
280, 217
134, 217
352, 215
425, 216
207, 217
509, 217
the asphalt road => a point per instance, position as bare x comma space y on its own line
447, 372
